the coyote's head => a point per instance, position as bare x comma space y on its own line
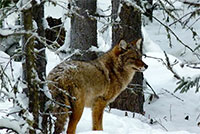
129, 55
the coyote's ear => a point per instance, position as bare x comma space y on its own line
118, 49
138, 43
123, 44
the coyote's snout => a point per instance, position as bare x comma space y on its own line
75, 84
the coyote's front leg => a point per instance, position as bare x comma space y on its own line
97, 113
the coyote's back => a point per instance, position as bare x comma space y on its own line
76, 84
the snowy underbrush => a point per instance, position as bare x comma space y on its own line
171, 113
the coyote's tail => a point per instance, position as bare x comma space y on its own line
61, 111
61, 106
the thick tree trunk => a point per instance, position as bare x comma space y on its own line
129, 29
84, 30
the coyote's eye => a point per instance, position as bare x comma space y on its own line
133, 58
138, 54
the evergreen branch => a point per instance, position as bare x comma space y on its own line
185, 85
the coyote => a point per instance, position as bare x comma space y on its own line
78, 84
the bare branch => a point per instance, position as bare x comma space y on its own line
161, 125
155, 95
169, 67
167, 27
192, 3
172, 94
166, 63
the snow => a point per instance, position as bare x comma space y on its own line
13, 124
134, 4
5, 32
149, 46
10, 21
169, 113
117, 124
158, 35
56, 11
169, 110
103, 29
52, 60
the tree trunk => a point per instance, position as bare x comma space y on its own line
34, 67
84, 30
29, 75
40, 60
129, 29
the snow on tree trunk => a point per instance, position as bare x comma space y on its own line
40, 61
29, 73
34, 65
129, 29
84, 30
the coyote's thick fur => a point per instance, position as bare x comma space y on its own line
96, 83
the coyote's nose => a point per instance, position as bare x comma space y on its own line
145, 66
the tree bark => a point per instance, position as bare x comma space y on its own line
40, 60
84, 30
29, 75
34, 67
129, 29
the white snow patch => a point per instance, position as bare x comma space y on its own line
11, 124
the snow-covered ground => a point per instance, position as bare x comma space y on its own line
171, 109
172, 113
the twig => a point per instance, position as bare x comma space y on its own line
193, 67
194, 22
152, 89
179, 20
167, 64
192, 3
161, 125
169, 67
170, 112
173, 94
167, 27
160, 59
198, 117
